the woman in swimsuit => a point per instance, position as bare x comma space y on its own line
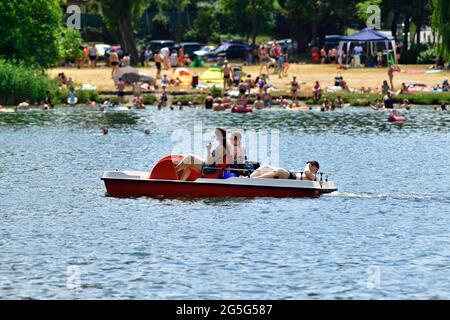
269, 172
217, 159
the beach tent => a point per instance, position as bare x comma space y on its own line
212, 75
371, 38
184, 75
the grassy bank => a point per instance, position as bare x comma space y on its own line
354, 99
367, 99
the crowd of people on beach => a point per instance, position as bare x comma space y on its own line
241, 87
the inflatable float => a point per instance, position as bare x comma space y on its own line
242, 109
298, 107
394, 117
6, 110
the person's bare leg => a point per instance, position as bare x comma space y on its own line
186, 173
392, 83
268, 175
186, 161
257, 173
280, 174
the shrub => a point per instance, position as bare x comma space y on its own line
184, 100
419, 53
428, 56
216, 92
20, 82
149, 99
60, 96
112, 99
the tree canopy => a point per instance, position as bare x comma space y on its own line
121, 19
441, 22
31, 30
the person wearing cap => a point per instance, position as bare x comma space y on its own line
268, 172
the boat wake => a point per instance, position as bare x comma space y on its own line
399, 196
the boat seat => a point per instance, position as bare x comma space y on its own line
165, 169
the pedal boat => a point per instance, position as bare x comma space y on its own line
164, 182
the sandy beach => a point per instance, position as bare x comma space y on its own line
356, 78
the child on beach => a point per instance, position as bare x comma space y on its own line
165, 82
72, 98
317, 91
250, 83
267, 98
384, 87
261, 83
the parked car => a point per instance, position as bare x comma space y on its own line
156, 45
231, 51
204, 50
189, 47
101, 50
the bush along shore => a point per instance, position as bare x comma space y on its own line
354, 99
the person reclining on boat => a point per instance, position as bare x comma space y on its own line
216, 159
268, 172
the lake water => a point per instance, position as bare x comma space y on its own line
384, 234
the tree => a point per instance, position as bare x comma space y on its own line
261, 13
205, 25
70, 45
313, 19
121, 19
408, 11
362, 8
31, 31
441, 23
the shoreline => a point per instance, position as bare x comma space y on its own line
197, 98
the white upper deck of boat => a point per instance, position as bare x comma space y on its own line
283, 183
